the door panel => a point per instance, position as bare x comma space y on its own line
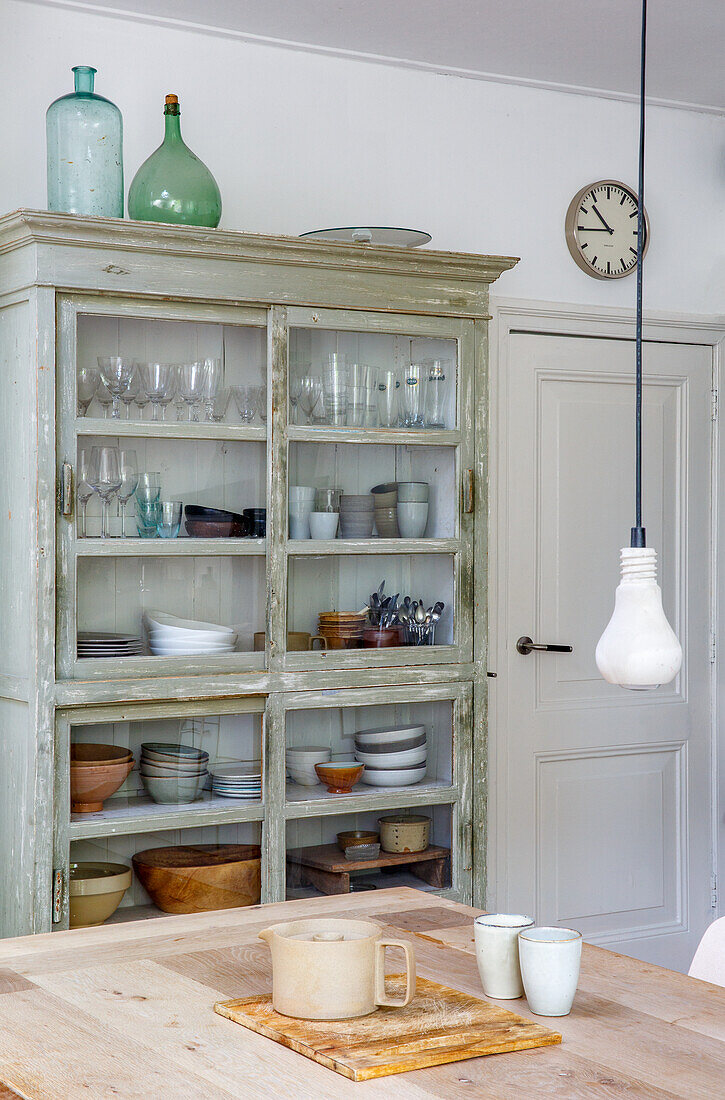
603, 795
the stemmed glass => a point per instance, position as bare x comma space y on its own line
84, 491
104, 477
213, 383
87, 381
116, 372
131, 393
259, 397
104, 397
192, 380
158, 383
129, 481
311, 399
245, 401
218, 409
295, 388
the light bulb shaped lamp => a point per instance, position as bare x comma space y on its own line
639, 649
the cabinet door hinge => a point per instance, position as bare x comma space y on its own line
469, 491
713, 891
58, 895
65, 490
714, 405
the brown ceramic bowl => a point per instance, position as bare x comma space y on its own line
355, 837
94, 756
89, 787
340, 778
96, 890
374, 638
201, 877
214, 529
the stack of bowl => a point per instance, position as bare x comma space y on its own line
412, 508
356, 515
301, 762
342, 629
96, 772
173, 637
173, 773
394, 756
386, 509
301, 503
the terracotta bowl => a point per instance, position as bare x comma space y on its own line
89, 787
201, 877
340, 778
355, 837
93, 756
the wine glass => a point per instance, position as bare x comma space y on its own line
295, 387
158, 383
192, 380
104, 397
213, 383
141, 398
131, 393
129, 481
87, 382
84, 491
259, 398
310, 398
244, 400
116, 372
220, 404
104, 476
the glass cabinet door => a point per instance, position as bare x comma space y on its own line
162, 414
378, 510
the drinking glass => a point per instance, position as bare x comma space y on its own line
358, 395
336, 380
213, 383
141, 398
104, 397
218, 408
131, 393
192, 380
413, 396
169, 521
295, 388
116, 373
104, 476
84, 491
129, 481
437, 372
244, 400
87, 381
158, 382
311, 400
148, 491
388, 398
259, 397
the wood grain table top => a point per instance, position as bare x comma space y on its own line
127, 1011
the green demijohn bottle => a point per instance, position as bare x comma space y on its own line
173, 185
84, 135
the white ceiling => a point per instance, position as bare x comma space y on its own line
577, 45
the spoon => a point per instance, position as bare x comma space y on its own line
420, 613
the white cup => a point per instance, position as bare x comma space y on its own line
323, 525
550, 959
412, 519
497, 953
299, 493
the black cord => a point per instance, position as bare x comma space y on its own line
638, 532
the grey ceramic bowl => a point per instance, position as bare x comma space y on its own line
392, 746
174, 791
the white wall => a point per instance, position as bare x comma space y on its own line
300, 141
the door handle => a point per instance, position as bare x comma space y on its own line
525, 646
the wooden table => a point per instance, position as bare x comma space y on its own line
126, 1011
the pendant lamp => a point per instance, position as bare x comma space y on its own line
639, 649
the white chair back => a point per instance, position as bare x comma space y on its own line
709, 961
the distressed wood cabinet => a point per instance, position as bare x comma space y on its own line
272, 309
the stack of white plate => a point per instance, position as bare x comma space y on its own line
102, 643
172, 637
394, 756
301, 762
173, 773
237, 781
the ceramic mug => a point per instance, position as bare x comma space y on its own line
323, 525
497, 953
412, 519
298, 641
333, 969
550, 959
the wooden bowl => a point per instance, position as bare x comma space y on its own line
93, 756
355, 837
202, 877
89, 786
340, 778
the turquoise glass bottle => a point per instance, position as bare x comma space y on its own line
173, 185
84, 135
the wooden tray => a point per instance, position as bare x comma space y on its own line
324, 866
440, 1025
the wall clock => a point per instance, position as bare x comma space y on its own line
601, 229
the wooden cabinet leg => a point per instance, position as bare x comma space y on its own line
326, 881
436, 872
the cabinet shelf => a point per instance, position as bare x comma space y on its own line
431, 437
172, 548
300, 803
139, 814
163, 429
313, 547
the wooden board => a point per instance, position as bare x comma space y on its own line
324, 866
440, 1025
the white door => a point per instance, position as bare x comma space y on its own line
602, 796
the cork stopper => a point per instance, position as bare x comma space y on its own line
171, 106
172, 99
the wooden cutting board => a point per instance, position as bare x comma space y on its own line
439, 1025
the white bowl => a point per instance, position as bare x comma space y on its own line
402, 759
169, 634
304, 779
160, 618
301, 752
168, 649
404, 777
383, 735
170, 773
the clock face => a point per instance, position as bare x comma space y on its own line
601, 229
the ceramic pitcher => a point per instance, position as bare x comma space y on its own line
332, 969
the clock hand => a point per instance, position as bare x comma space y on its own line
593, 229
608, 228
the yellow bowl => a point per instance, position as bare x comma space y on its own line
95, 891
